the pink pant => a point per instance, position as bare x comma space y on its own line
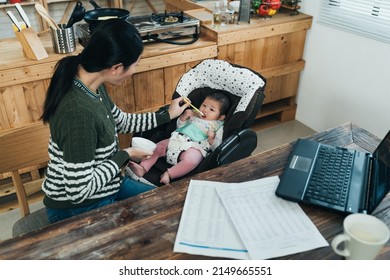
188, 160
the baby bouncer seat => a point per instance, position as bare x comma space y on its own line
243, 86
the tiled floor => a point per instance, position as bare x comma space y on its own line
267, 138
280, 134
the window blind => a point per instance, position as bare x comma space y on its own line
370, 18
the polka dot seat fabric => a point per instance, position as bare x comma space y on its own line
220, 74
244, 87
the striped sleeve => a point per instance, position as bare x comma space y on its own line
129, 123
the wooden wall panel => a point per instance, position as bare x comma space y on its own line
172, 76
35, 94
187, 54
17, 109
149, 89
191, 64
123, 95
171, 5
281, 87
4, 121
273, 51
24, 104
256, 57
265, 52
290, 85
294, 46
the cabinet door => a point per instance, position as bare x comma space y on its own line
22, 104
123, 95
149, 89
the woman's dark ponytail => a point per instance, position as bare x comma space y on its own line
60, 83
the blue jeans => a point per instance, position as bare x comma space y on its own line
127, 189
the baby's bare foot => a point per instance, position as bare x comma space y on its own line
165, 178
137, 169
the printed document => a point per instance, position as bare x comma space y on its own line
205, 227
243, 221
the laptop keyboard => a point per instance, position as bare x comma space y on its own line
331, 176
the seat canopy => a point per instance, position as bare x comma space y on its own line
220, 74
244, 87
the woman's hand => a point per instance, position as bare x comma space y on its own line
137, 154
177, 107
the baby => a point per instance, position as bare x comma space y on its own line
196, 135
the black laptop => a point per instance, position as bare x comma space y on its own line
336, 178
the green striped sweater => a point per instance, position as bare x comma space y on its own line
85, 159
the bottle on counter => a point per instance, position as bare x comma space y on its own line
224, 13
232, 17
216, 15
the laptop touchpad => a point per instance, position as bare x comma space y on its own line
300, 163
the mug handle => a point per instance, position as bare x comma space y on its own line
337, 241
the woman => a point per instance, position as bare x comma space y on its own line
85, 161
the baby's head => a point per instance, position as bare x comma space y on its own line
215, 106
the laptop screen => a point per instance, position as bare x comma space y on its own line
380, 174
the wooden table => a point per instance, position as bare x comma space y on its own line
145, 226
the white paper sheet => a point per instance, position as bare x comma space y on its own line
269, 226
243, 221
205, 227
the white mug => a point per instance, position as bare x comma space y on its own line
363, 238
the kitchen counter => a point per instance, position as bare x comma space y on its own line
12, 59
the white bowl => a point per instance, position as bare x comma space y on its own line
235, 6
143, 144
